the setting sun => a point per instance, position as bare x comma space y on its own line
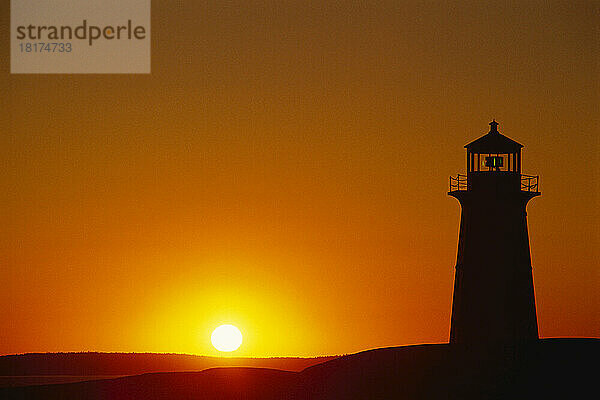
226, 338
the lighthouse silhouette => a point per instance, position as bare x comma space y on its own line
493, 302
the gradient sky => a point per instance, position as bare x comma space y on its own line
284, 168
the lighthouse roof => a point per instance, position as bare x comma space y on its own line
494, 142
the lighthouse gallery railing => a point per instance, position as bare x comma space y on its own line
529, 183
458, 183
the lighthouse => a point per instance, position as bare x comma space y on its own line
493, 302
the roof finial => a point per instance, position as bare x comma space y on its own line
494, 126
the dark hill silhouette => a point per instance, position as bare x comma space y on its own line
220, 383
541, 370
94, 363
551, 368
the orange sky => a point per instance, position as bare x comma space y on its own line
284, 168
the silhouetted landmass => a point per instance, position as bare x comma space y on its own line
45, 368
540, 371
221, 383
551, 368
137, 363
30, 380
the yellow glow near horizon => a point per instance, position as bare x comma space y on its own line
226, 338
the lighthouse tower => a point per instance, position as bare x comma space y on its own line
493, 300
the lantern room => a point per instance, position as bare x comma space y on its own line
493, 152
494, 166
